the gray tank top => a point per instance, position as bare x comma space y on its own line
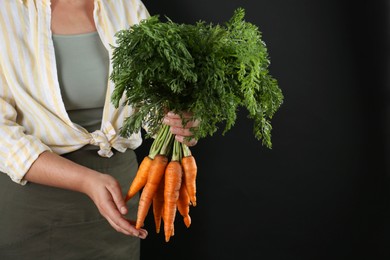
82, 65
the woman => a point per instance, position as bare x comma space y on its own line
59, 132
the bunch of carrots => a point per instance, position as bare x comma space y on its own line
167, 178
210, 70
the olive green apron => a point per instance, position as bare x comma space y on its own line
41, 222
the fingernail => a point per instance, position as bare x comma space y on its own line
142, 235
166, 120
123, 210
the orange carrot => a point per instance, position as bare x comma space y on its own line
156, 172
158, 205
173, 176
140, 178
190, 171
183, 204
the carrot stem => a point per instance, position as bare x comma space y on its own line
168, 138
176, 153
161, 143
157, 143
186, 150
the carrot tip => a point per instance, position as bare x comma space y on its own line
187, 221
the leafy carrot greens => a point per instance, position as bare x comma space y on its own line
210, 70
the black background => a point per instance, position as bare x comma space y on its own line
321, 192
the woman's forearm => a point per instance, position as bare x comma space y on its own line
56, 171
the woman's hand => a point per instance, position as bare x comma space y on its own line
56, 171
106, 193
181, 132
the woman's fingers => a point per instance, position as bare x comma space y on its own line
183, 140
117, 196
182, 132
143, 233
116, 222
106, 194
175, 120
120, 224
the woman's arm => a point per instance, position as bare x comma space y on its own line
56, 171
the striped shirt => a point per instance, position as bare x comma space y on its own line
33, 118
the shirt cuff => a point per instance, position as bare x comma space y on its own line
22, 155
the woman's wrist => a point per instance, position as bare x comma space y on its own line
86, 181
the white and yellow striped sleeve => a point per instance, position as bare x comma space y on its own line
18, 151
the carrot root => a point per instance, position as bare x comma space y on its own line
140, 178
173, 177
158, 205
183, 205
190, 171
156, 173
